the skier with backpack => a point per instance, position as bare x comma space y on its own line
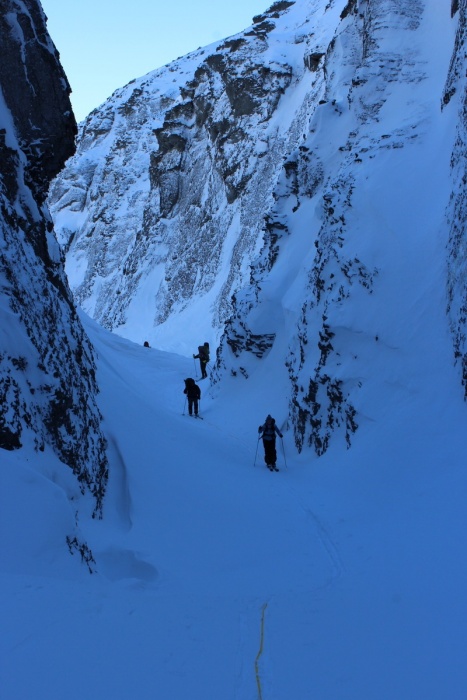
268, 432
203, 357
193, 394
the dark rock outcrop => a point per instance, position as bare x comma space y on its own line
47, 371
36, 92
457, 211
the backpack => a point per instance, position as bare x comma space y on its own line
192, 390
269, 429
203, 352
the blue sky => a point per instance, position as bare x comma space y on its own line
103, 45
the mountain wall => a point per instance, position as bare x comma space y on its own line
371, 182
47, 369
456, 87
162, 208
295, 192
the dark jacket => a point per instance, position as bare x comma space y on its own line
191, 389
269, 429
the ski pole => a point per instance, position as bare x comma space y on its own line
196, 371
184, 406
257, 445
283, 450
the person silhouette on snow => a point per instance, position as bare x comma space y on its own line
203, 357
193, 394
268, 432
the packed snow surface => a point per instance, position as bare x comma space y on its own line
342, 577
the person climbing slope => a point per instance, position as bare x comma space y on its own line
193, 394
203, 357
268, 432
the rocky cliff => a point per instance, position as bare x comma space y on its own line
163, 205
47, 370
280, 192
456, 87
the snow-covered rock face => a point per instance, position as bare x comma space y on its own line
284, 191
362, 201
162, 207
47, 370
457, 273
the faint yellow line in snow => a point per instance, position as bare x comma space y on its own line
260, 651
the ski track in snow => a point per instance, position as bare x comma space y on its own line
195, 541
321, 565
329, 547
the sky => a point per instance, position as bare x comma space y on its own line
104, 44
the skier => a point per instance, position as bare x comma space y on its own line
193, 393
203, 357
268, 432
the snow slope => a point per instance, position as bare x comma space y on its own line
341, 577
